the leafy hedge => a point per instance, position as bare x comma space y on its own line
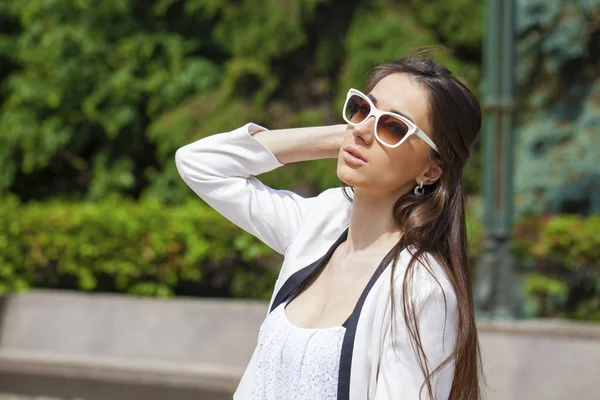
135, 248
145, 248
561, 265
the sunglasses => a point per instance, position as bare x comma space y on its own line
391, 129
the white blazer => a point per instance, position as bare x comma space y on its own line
221, 169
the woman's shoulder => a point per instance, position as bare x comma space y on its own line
323, 223
428, 276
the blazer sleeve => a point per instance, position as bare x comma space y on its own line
400, 376
221, 170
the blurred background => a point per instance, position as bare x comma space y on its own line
96, 97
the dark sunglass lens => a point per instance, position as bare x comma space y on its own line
357, 109
391, 130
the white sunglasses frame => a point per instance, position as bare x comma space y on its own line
413, 128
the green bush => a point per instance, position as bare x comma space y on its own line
558, 259
571, 241
135, 248
567, 254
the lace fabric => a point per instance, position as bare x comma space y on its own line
296, 363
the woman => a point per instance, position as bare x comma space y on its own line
373, 300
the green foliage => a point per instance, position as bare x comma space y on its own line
96, 97
474, 229
559, 74
90, 76
206, 115
546, 295
382, 31
568, 253
559, 261
136, 248
458, 22
571, 241
264, 29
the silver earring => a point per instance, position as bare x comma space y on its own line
419, 191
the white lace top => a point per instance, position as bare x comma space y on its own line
296, 363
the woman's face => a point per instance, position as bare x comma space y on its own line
386, 170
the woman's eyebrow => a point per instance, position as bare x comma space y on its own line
374, 100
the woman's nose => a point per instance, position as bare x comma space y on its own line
365, 131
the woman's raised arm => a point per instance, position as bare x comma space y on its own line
221, 170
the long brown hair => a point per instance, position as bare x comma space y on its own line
435, 223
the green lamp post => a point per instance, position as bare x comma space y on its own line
496, 289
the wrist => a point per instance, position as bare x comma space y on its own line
335, 139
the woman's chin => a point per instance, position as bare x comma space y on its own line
349, 176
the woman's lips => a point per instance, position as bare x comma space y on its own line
352, 159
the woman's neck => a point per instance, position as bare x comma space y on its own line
372, 226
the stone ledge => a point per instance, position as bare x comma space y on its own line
555, 328
199, 376
40, 387
213, 331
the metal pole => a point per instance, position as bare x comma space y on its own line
496, 292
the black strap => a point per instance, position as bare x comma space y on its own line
299, 278
352, 324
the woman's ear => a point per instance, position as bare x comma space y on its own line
432, 174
